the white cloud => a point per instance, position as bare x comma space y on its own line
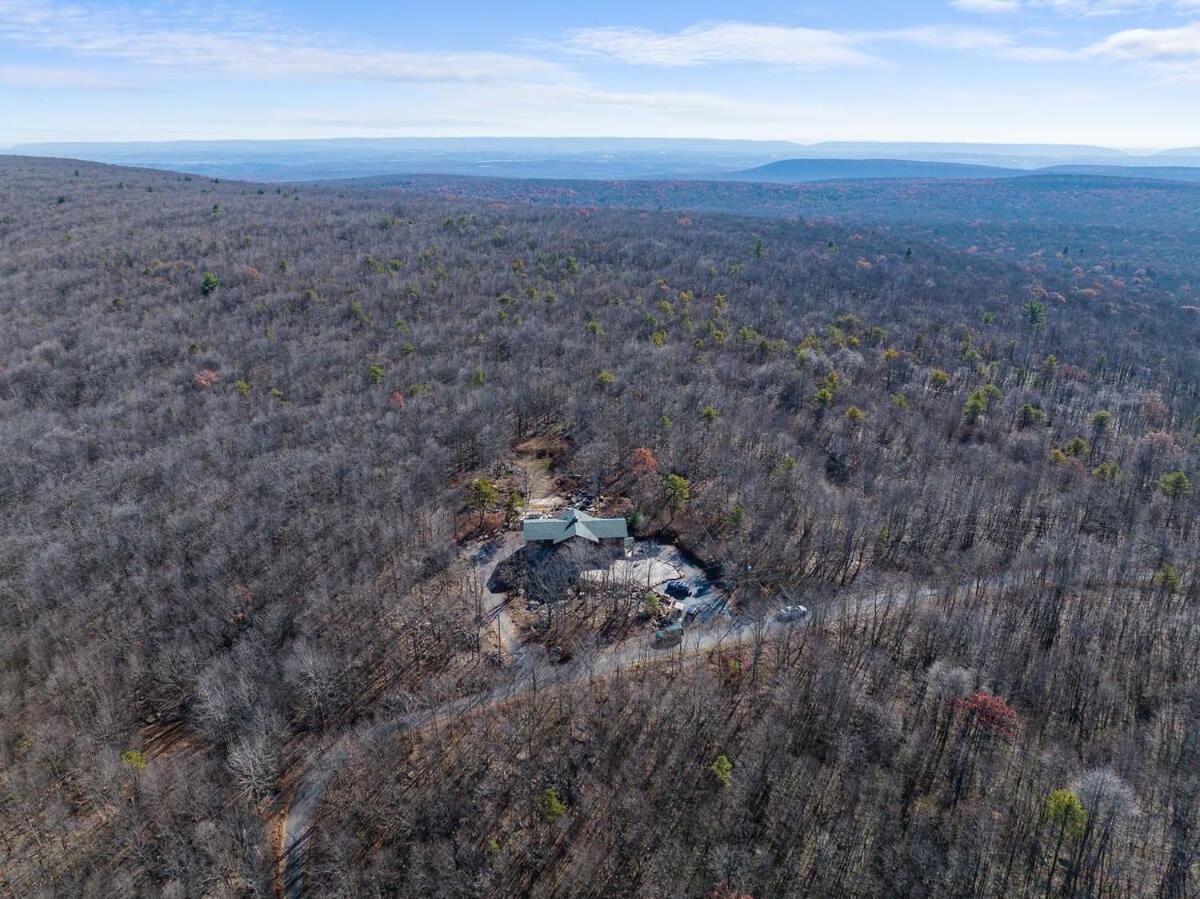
743, 42
52, 77
987, 6
234, 43
1150, 43
1171, 53
1079, 8
723, 42
527, 91
950, 37
1031, 54
550, 110
1093, 7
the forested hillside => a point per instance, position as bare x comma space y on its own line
240, 424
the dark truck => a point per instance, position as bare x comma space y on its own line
679, 589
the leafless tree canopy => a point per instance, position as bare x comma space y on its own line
238, 425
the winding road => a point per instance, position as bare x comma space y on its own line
297, 825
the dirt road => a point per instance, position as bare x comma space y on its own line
300, 815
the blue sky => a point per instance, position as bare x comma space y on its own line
1122, 73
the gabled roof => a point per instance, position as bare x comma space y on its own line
574, 523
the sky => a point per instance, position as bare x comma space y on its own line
1118, 73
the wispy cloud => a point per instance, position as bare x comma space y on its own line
576, 109
1078, 8
1150, 43
949, 37
56, 77
1173, 53
987, 6
545, 87
744, 42
234, 43
1169, 52
723, 42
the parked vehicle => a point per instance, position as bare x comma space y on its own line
669, 635
679, 589
791, 613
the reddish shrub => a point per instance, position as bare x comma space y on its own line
1073, 373
992, 713
1163, 443
643, 462
206, 377
1154, 410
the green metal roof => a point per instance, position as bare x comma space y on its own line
574, 523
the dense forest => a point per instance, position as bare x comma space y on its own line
244, 429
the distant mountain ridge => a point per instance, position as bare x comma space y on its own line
604, 158
794, 171
1190, 174
800, 171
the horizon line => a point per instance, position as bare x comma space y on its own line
1131, 151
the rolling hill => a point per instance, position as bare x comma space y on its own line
796, 171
